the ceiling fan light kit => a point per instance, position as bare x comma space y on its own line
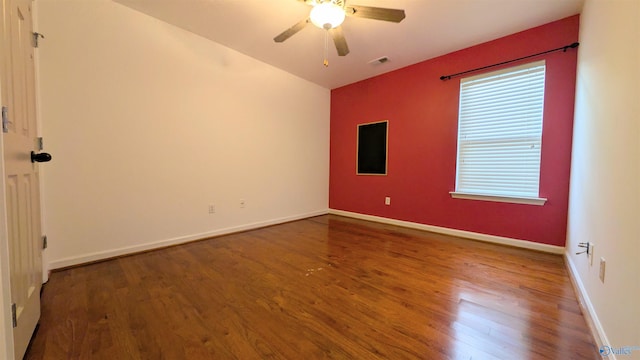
329, 15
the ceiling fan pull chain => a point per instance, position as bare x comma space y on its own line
326, 49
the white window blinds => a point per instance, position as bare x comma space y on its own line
500, 132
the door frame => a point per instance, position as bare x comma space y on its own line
6, 341
6, 329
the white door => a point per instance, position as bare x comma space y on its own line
21, 175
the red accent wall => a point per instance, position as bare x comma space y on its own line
423, 117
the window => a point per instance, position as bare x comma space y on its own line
500, 135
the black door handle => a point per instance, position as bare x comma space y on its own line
42, 157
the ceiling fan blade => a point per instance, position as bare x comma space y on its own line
369, 12
291, 31
339, 41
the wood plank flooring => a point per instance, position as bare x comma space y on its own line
322, 288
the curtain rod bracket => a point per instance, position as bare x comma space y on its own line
572, 46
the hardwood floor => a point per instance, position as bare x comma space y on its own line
323, 288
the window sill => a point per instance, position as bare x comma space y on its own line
498, 198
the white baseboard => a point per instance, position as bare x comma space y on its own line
461, 233
102, 255
585, 303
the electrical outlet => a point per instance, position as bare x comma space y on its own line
603, 264
212, 209
590, 253
387, 200
243, 203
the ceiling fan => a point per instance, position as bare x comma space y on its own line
329, 15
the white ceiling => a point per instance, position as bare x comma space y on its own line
431, 28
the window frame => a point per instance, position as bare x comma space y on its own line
487, 195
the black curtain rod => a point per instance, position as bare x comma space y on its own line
564, 49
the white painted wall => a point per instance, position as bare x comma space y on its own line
149, 124
605, 182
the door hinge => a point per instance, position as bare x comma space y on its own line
5, 119
44, 242
36, 37
14, 316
